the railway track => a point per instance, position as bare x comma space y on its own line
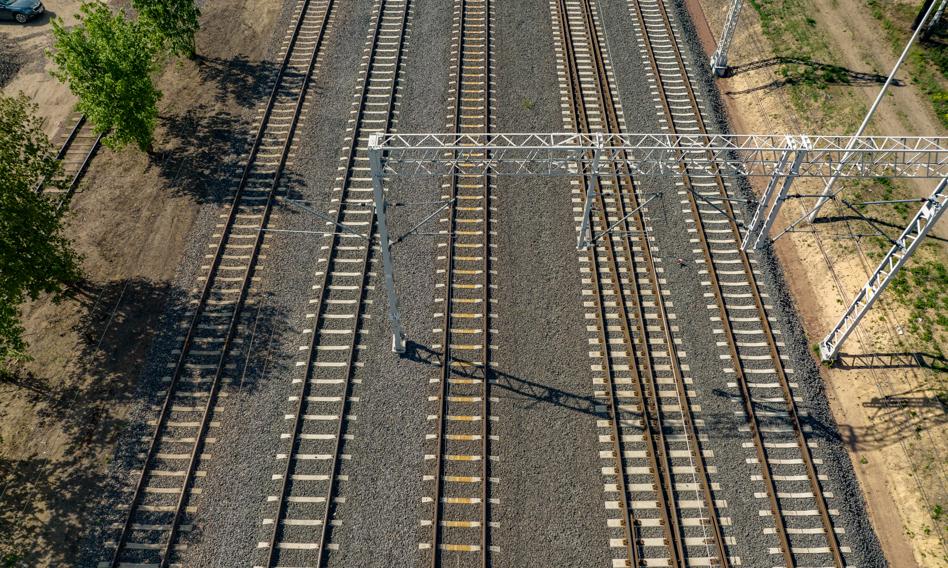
803, 528
78, 144
310, 478
164, 500
461, 496
657, 479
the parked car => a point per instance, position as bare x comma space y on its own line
20, 10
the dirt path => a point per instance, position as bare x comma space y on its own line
131, 219
886, 403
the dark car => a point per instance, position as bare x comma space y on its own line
20, 10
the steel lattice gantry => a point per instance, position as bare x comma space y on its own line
728, 155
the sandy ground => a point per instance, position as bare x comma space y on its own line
883, 398
27, 43
130, 220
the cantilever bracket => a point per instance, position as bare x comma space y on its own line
898, 255
585, 231
759, 230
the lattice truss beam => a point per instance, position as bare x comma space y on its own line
782, 158
728, 155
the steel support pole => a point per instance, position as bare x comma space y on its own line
934, 21
865, 121
585, 231
764, 236
766, 197
378, 192
906, 244
719, 58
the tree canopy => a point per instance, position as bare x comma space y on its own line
108, 61
35, 256
173, 22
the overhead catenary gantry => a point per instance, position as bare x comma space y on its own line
726, 155
719, 58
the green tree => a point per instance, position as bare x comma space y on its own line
174, 23
35, 256
108, 62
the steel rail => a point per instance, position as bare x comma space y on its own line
460, 74
747, 400
652, 431
580, 121
205, 295
687, 413
74, 182
628, 191
64, 150
298, 419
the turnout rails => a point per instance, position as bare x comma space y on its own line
802, 520
657, 479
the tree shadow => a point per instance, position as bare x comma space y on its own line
246, 82
61, 494
207, 154
11, 61
55, 486
803, 70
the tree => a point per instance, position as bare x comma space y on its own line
35, 256
108, 62
174, 23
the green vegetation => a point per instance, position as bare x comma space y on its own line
818, 87
924, 288
807, 65
172, 22
35, 257
108, 61
927, 64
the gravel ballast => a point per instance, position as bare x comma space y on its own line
549, 486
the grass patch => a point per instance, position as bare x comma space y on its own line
810, 70
927, 63
923, 287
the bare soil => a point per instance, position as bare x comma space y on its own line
60, 418
885, 397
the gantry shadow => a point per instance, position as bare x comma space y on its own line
871, 221
806, 71
896, 418
904, 360
719, 424
537, 393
